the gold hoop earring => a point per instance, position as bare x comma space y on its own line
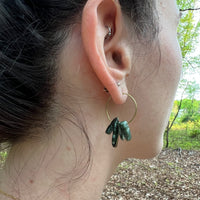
120, 128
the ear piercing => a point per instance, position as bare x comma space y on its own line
106, 90
109, 34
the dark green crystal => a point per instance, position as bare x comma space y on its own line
115, 126
112, 126
124, 130
121, 133
119, 129
115, 137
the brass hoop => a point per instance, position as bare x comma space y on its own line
107, 104
8, 195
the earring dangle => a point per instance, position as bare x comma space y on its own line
120, 128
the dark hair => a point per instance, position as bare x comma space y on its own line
32, 34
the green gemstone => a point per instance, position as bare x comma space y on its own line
115, 126
112, 125
115, 134
115, 139
121, 134
125, 130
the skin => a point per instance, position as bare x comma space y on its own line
86, 67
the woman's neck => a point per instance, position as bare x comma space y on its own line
60, 167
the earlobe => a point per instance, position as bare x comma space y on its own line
104, 40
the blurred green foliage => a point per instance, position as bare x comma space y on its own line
190, 111
188, 29
3, 156
185, 130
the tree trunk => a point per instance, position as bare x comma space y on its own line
167, 136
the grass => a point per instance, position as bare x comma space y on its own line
183, 139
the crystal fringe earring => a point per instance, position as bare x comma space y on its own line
119, 129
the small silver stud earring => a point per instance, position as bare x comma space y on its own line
109, 34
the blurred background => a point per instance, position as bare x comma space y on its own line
183, 130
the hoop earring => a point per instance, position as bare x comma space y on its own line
120, 128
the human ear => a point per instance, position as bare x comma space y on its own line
109, 57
